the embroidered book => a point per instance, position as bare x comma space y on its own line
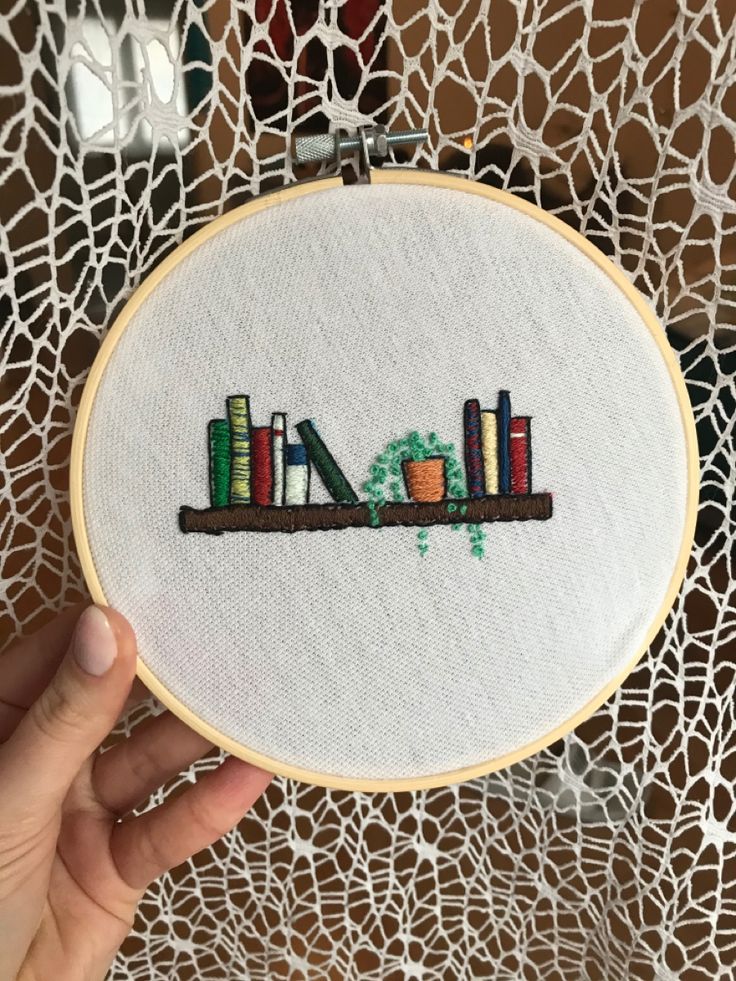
414, 482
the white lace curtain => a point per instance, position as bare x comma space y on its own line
124, 126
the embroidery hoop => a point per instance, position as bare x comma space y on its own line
283, 197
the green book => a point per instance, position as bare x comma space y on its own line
238, 411
219, 444
325, 464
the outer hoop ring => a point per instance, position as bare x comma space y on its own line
385, 176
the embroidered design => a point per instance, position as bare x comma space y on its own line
219, 446
262, 464
431, 472
425, 480
473, 451
331, 517
520, 453
325, 464
238, 411
278, 425
489, 445
503, 415
259, 481
297, 474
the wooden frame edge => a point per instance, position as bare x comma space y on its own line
272, 199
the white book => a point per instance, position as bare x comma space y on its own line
278, 428
296, 483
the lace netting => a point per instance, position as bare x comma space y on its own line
127, 125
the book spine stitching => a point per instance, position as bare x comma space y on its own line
325, 464
262, 465
473, 452
489, 446
504, 461
520, 453
278, 424
238, 407
219, 459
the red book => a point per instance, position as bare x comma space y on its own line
261, 448
520, 452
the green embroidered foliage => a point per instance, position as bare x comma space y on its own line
385, 482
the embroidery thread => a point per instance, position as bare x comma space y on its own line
262, 464
503, 414
431, 472
325, 464
219, 444
259, 481
473, 451
331, 517
297, 475
520, 453
278, 425
238, 411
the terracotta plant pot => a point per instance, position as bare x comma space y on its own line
425, 479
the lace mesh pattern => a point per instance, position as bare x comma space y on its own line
123, 128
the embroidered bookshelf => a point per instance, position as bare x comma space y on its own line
251, 470
331, 517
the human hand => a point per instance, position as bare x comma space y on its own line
73, 866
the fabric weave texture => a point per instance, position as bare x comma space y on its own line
376, 311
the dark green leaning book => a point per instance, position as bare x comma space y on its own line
325, 464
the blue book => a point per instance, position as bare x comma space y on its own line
504, 436
296, 475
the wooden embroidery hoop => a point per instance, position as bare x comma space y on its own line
284, 196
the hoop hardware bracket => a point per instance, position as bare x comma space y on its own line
371, 142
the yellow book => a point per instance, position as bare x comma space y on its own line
238, 410
489, 447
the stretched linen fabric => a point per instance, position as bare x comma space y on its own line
605, 856
376, 311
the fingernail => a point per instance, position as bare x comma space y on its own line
94, 647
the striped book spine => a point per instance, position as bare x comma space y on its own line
218, 433
238, 410
278, 425
473, 451
262, 465
489, 445
296, 478
521, 455
325, 464
503, 417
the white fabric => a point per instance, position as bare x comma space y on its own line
377, 310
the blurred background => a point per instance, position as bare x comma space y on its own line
126, 126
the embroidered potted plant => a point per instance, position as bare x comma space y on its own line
426, 470
425, 479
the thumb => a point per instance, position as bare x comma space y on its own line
72, 716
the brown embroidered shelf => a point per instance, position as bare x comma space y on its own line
331, 517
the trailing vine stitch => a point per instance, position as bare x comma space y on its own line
385, 484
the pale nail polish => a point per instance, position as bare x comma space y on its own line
94, 646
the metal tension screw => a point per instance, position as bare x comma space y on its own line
374, 141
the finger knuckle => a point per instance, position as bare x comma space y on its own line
204, 816
56, 714
142, 760
154, 852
